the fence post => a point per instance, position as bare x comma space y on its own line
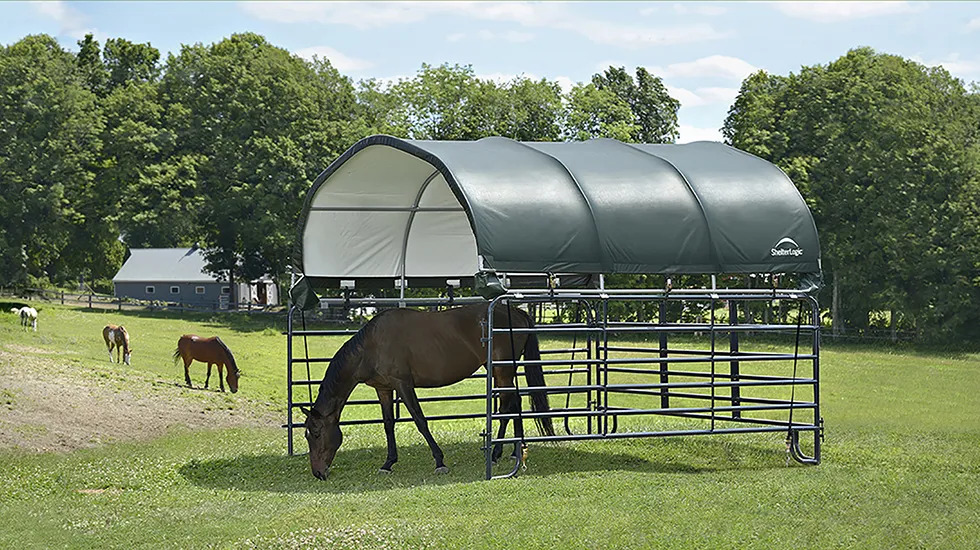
90, 300
119, 304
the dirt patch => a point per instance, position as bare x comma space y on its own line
49, 405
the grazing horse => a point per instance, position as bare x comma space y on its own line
211, 351
404, 349
117, 337
28, 316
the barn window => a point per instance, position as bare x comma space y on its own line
175, 290
199, 290
226, 290
151, 290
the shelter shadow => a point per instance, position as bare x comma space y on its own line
356, 470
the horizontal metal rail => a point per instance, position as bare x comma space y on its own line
525, 390
666, 433
668, 328
622, 411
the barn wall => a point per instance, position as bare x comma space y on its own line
185, 295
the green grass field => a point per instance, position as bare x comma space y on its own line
901, 466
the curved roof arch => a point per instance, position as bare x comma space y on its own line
389, 208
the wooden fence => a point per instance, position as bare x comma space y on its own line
92, 300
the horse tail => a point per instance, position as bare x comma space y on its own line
231, 358
534, 375
176, 355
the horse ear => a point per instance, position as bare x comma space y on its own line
305, 411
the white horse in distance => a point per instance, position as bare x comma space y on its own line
28, 316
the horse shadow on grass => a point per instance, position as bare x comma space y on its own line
356, 470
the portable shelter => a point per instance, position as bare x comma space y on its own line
390, 208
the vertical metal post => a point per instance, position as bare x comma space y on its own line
604, 365
289, 381
590, 339
734, 364
817, 420
712, 332
488, 438
664, 377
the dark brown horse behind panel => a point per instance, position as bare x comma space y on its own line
404, 349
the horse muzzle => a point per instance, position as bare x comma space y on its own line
322, 476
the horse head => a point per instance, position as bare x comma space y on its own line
324, 437
127, 354
231, 376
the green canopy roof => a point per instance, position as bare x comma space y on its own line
389, 208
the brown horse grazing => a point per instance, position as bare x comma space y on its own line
116, 336
211, 351
402, 349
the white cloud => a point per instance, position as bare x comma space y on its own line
830, 12
366, 15
708, 10
71, 22
490, 36
974, 24
565, 83
341, 62
692, 133
703, 96
721, 66
685, 96
355, 14
966, 69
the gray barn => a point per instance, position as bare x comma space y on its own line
178, 275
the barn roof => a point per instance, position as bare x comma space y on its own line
390, 207
165, 265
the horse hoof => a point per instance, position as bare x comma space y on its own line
384, 471
442, 470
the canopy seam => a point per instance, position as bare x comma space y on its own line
603, 257
704, 214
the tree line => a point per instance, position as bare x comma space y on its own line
112, 147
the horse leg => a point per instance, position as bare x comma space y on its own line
510, 403
109, 346
221, 376
208, 379
187, 371
387, 399
407, 392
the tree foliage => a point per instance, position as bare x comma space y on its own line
885, 149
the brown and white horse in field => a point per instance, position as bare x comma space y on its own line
116, 336
28, 316
211, 351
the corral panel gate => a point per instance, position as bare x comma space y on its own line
496, 213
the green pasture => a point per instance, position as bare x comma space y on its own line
901, 465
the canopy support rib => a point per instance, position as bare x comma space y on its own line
697, 199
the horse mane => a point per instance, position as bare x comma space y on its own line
351, 347
228, 352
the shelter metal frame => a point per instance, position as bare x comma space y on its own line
739, 412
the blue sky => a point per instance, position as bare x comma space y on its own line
702, 50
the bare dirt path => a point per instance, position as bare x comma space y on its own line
47, 403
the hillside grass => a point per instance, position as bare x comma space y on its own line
901, 466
